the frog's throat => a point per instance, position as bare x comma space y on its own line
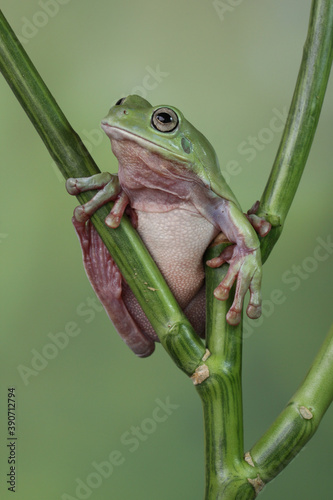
120, 134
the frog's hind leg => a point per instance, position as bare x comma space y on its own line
106, 280
196, 312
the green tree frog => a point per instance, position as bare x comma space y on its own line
169, 179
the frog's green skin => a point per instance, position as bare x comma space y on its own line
170, 177
199, 157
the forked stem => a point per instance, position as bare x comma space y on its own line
216, 372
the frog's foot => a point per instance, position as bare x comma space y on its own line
244, 265
260, 224
106, 280
108, 189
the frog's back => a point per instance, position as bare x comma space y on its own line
208, 169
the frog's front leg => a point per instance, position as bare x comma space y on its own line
106, 280
244, 261
101, 270
108, 189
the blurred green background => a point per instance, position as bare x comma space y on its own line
230, 73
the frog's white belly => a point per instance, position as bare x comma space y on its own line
177, 240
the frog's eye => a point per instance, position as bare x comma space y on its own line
120, 101
164, 119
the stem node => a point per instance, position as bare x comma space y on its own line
200, 374
257, 483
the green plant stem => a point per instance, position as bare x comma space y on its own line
227, 475
124, 244
221, 396
291, 430
301, 123
300, 418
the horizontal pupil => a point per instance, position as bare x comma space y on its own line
164, 118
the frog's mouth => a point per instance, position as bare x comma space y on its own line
120, 134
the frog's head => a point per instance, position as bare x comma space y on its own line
164, 130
